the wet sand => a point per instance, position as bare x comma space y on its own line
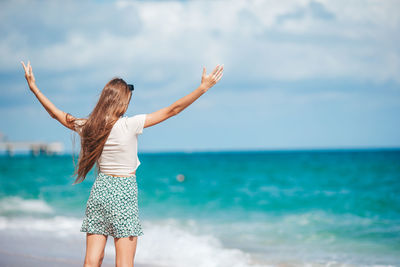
9, 259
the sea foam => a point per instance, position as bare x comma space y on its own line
18, 205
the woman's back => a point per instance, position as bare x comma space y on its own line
119, 155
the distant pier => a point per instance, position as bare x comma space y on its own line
34, 148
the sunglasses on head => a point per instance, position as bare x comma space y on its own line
130, 86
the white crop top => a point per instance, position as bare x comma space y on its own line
119, 155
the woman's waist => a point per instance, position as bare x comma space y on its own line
120, 171
129, 175
120, 175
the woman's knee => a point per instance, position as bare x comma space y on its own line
95, 245
123, 263
93, 261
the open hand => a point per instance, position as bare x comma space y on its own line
30, 78
209, 80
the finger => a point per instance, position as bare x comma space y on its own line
220, 70
204, 71
215, 70
23, 65
30, 69
219, 77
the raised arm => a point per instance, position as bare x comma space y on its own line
207, 81
54, 112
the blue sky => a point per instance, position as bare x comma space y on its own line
298, 74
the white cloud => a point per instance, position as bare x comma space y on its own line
163, 41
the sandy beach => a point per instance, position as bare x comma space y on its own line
9, 259
45, 251
17, 260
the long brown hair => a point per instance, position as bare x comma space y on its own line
112, 104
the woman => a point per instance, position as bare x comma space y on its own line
109, 140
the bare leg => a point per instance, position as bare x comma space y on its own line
95, 245
125, 249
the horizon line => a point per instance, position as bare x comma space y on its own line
282, 149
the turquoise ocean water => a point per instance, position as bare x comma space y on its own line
264, 208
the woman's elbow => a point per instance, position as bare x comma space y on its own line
174, 111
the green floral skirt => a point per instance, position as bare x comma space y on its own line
112, 207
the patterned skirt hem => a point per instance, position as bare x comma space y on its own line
126, 233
